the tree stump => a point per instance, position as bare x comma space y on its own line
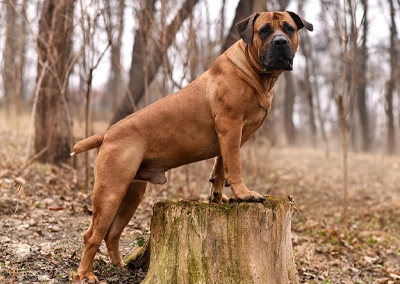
193, 243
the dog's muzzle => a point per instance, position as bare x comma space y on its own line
279, 55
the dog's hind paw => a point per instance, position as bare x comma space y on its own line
89, 277
121, 263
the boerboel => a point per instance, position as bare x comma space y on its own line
211, 117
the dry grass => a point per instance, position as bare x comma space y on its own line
365, 251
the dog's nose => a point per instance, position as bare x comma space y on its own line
280, 41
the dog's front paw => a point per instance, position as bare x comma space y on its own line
251, 196
89, 277
219, 198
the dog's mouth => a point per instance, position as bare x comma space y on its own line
277, 58
278, 64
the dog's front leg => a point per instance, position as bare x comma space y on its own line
229, 129
217, 180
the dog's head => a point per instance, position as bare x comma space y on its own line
272, 38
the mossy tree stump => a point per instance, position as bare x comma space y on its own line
193, 243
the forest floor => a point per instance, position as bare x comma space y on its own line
44, 211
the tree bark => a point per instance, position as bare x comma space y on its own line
52, 122
193, 242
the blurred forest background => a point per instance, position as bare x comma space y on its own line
67, 63
71, 68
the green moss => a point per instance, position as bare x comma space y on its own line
194, 268
273, 216
245, 206
273, 202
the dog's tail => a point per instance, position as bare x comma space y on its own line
91, 142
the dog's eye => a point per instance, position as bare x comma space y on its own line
289, 30
264, 31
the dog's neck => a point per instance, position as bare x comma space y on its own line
269, 77
262, 81
255, 63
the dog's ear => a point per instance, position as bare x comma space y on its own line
245, 28
301, 23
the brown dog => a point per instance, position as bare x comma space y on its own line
211, 117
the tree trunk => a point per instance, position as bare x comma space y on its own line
193, 242
290, 94
52, 123
391, 85
20, 61
308, 90
308, 85
288, 109
115, 83
311, 66
10, 53
353, 32
145, 59
361, 82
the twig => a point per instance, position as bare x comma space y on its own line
343, 114
34, 157
88, 94
32, 119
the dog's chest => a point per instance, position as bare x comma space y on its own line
253, 121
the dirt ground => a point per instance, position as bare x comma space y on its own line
44, 211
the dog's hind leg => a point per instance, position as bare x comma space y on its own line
218, 179
124, 214
113, 178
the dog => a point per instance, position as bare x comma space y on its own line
211, 117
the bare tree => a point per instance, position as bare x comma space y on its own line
14, 57
53, 135
20, 60
391, 84
312, 69
290, 95
10, 53
147, 59
361, 89
115, 83
346, 95
310, 86
288, 109
307, 85
90, 20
